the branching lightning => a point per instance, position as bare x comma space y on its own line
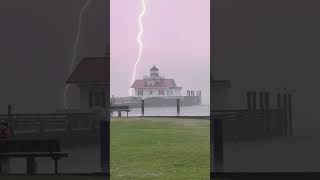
75, 48
139, 41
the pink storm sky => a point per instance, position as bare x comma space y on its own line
176, 39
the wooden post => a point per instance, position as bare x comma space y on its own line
93, 122
69, 123
285, 118
119, 113
254, 114
9, 110
41, 126
261, 101
280, 115
178, 107
31, 165
261, 124
218, 145
290, 114
249, 102
247, 122
11, 120
267, 112
142, 107
254, 101
104, 141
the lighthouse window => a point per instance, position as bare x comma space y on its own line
140, 92
98, 99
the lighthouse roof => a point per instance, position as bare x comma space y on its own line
91, 70
164, 83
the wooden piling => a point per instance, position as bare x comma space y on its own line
104, 142
217, 145
290, 114
261, 124
247, 123
280, 115
267, 113
31, 165
178, 107
254, 123
261, 101
249, 102
11, 120
285, 114
142, 107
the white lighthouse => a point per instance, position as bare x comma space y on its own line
155, 85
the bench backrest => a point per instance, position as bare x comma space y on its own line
18, 146
116, 107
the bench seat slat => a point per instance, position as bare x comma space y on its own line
25, 155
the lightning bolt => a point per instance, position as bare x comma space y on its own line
139, 42
75, 49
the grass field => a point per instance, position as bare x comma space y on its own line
160, 149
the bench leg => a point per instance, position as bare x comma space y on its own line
31, 165
56, 166
4, 166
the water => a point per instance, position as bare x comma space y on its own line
199, 110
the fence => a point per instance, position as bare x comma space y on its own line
246, 125
51, 122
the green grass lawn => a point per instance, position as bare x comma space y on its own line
160, 149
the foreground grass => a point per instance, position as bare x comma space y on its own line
159, 149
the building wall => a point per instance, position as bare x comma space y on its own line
155, 92
84, 98
85, 95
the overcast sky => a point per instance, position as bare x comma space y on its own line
176, 39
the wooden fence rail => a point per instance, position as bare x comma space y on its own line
41, 123
245, 124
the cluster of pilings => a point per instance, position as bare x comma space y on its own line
259, 120
193, 93
273, 121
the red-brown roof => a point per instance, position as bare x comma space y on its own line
90, 70
164, 83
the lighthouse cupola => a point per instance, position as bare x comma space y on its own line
154, 72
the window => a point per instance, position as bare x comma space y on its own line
97, 99
91, 99
140, 92
161, 92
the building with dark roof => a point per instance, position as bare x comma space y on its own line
91, 75
155, 85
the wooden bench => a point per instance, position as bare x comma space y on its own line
31, 149
119, 108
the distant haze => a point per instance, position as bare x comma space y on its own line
176, 40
